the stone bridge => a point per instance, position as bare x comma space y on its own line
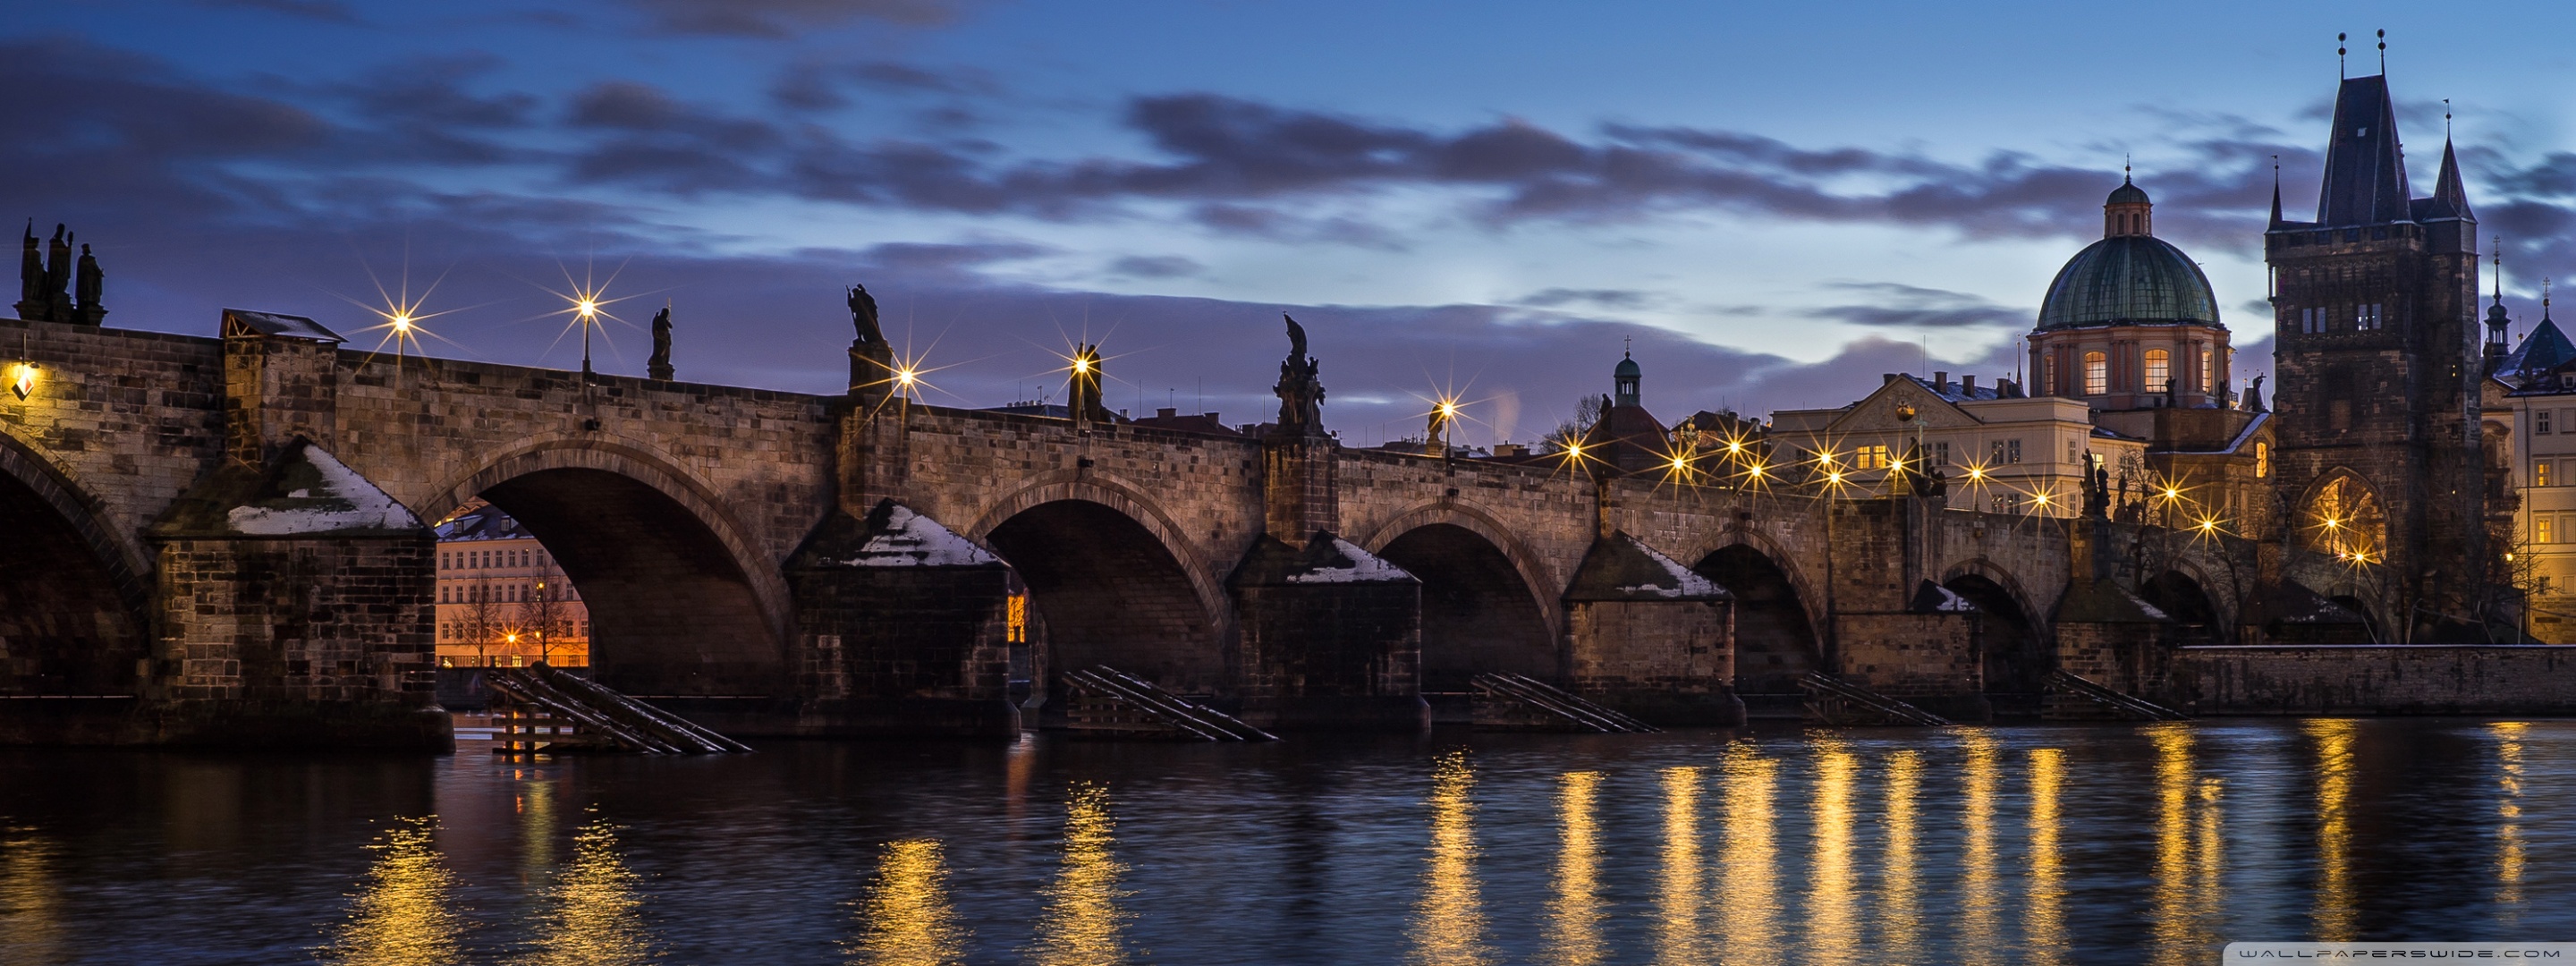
224, 540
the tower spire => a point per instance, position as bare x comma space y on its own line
2276, 191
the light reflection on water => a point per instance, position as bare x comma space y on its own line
906, 919
401, 914
597, 916
2053, 844
2044, 914
2336, 916
1083, 924
1748, 923
1449, 922
1679, 938
30, 897
1833, 888
1574, 912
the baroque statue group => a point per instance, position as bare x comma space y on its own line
51, 288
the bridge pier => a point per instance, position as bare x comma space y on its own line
1647, 637
1329, 638
1892, 630
902, 627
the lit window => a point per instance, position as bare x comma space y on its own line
2540, 473
2208, 375
2097, 374
2159, 369
2262, 460
2541, 531
1870, 458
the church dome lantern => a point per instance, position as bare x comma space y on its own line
2128, 276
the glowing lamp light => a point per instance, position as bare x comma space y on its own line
1756, 471
23, 380
906, 377
587, 308
1835, 477
1977, 474
402, 322
1081, 365
1733, 446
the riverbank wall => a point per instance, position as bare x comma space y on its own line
2379, 679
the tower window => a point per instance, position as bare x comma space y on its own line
2097, 374
2312, 320
2368, 316
2208, 375
2159, 369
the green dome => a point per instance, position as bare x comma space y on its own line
1627, 370
2128, 278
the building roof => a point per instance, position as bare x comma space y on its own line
485, 522
1169, 418
2128, 193
1626, 369
2365, 182
2128, 278
247, 322
2544, 349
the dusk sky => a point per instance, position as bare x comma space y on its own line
1776, 201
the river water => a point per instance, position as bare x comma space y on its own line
2031, 844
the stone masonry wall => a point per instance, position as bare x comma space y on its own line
2391, 679
299, 641
1666, 663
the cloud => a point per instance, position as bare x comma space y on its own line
1908, 306
325, 11
1608, 298
787, 18
1156, 266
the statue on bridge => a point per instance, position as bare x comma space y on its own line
659, 365
58, 277
2096, 477
88, 283
31, 278
871, 360
863, 317
1301, 393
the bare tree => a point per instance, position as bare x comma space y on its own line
483, 623
542, 611
1587, 411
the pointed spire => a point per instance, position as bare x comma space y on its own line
2365, 176
2276, 191
2449, 196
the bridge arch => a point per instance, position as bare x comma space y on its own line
681, 600
1779, 614
1545, 585
74, 587
2014, 631
1114, 580
1486, 603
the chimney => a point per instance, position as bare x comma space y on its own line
1166, 413
1967, 385
1940, 381
1885, 378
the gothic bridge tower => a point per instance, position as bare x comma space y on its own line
2377, 347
